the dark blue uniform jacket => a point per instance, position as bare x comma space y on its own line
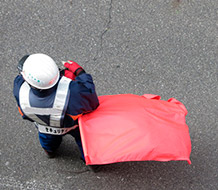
82, 99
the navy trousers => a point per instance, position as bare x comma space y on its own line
51, 142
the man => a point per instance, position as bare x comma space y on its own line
53, 100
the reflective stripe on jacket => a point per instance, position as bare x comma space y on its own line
81, 98
56, 113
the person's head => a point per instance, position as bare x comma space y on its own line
39, 70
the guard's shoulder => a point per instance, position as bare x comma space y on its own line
18, 81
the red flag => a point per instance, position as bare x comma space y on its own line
129, 127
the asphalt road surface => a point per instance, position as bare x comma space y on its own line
163, 47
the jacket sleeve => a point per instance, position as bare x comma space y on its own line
18, 81
83, 97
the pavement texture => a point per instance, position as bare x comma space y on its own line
163, 47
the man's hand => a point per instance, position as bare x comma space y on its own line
69, 74
73, 67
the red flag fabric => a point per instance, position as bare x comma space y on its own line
129, 127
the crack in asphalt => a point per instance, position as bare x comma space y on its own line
108, 25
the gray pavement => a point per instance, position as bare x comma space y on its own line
164, 47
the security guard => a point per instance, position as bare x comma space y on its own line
53, 100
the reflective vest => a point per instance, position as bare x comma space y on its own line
56, 113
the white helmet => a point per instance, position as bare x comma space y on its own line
40, 71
